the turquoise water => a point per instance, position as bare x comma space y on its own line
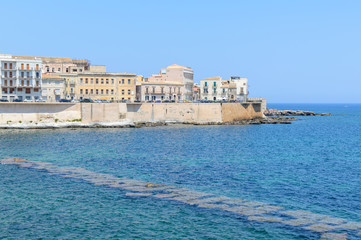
313, 164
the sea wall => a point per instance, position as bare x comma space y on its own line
39, 112
131, 112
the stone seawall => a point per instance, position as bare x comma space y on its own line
128, 112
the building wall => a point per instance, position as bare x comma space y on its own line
178, 74
53, 89
20, 78
234, 89
162, 91
101, 86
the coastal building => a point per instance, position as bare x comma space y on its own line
20, 78
60, 64
216, 89
161, 91
100, 86
52, 88
196, 92
172, 76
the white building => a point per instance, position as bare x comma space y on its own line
20, 78
216, 89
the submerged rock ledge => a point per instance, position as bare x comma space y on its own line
59, 125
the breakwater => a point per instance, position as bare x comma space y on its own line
326, 226
126, 113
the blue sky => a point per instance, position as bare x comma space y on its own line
291, 51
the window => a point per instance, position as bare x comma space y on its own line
112, 81
27, 74
91, 81
81, 91
128, 81
37, 67
205, 90
53, 69
58, 69
122, 91
215, 84
107, 91
102, 81
37, 75
97, 91
91, 91
96, 80
27, 90
86, 81
107, 81
11, 66
22, 66
122, 81
5, 65
81, 80
47, 69
205, 84
86, 91
67, 70
215, 90
27, 83
112, 91
146, 90
102, 91
224, 90
80, 70
128, 91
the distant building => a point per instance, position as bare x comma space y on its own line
172, 76
53, 88
161, 90
60, 64
100, 86
216, 89
20, 78
196, 92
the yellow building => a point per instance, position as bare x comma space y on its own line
101, 86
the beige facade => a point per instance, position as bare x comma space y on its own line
162, 91
60, 65
101, 86
53, 88
175, 74
216, 89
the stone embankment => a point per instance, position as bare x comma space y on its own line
278, 113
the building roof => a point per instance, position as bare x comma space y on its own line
162, 83
178, 66
213, 78
50, 59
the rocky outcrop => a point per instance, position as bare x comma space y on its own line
276, 112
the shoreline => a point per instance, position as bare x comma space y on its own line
127, 124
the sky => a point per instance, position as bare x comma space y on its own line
291, 51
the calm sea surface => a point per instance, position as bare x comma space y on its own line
313, 164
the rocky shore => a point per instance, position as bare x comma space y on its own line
278, 113
59, 125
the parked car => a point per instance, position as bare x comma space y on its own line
4, 100
137, 101
28, 100
166, 101
17, 100
64, 100
158, 101
39, 100
86, 100
105, 101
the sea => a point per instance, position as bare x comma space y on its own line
312, 165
